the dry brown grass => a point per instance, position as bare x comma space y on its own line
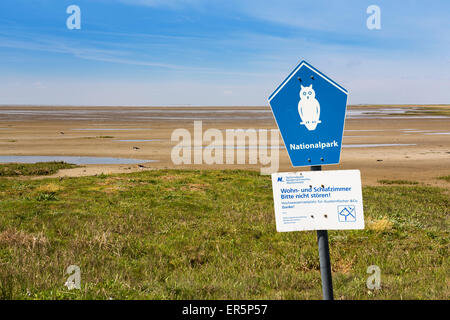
196, 187
380, 225
171, 177
344, 266
51, 187
19, 238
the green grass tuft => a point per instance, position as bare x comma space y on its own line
32, 169
406, 182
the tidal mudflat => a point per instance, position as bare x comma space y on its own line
384, 142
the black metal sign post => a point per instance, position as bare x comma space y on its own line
324, 256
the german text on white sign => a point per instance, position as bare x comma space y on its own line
318, 200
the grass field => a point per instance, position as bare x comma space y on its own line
172, 234
446, 178
32, 169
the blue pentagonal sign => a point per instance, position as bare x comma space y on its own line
309, 109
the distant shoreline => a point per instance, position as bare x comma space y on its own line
217, 107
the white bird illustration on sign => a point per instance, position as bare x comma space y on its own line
309, 108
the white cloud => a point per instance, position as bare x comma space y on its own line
38, 85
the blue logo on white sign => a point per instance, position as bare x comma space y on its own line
346, 213
309, 109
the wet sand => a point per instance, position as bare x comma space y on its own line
423, 154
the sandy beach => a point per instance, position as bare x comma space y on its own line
384, 142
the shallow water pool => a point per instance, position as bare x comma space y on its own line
73, 160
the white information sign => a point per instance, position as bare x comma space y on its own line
318, 200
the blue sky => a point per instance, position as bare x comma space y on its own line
235, 52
